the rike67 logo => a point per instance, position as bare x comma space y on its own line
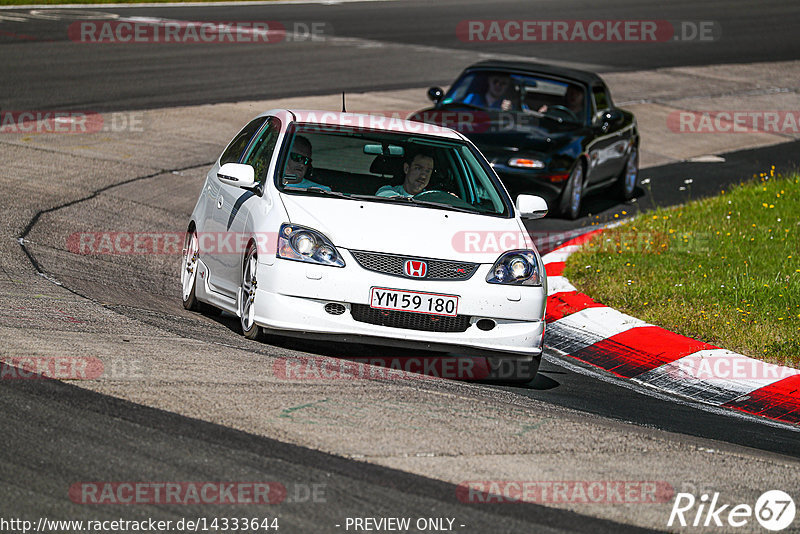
774, 510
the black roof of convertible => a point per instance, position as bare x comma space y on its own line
541, 68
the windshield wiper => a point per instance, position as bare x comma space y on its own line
327, 192
319, 190
439, 205
410, 200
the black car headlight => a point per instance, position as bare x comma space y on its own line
304, 244
518, 267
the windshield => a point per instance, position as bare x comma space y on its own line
385, 166
493, 90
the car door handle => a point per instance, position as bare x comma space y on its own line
219, 202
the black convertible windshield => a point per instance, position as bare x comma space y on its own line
495, 90
386, 166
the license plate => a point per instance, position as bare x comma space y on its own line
382, 298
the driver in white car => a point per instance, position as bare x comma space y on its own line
418, 169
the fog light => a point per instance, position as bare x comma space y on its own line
334, 308
485, 324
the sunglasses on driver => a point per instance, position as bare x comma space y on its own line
300, 158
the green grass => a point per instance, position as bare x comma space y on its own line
724, 270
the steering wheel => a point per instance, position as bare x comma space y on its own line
564, 109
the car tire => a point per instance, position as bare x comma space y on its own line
572, 197
629, 176
247, 294
190, 256
513, 369
189, 261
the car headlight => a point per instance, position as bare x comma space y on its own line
304, 244
518, 267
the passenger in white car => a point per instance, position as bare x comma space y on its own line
418, 169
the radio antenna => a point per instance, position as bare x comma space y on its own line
343, 109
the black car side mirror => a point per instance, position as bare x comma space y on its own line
609, 118
613, 116
435, 94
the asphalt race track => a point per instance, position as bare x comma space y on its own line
374, 46
186, 398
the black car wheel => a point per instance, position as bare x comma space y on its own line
629, 177
572, 197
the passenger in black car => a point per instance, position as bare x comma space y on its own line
495, 95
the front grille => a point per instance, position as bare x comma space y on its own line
409, 320
392, 264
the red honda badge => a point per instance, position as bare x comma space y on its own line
415, 268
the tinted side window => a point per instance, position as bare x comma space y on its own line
234, 151
262, 148
601, 98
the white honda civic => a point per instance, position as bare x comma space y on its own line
361, 228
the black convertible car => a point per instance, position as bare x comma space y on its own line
546, 130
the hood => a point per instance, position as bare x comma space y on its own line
407, 229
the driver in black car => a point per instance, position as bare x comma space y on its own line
573, 100
418, 169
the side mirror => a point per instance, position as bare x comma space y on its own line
608, 119
531, 207
238, 175
435, 94
612, 117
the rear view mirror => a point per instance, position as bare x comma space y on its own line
383, 150
237, 174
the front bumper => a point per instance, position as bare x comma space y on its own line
291, 298
532, 182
